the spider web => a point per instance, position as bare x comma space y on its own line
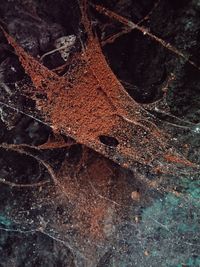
90, 204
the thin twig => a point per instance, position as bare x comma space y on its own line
132, 25
18, 149
11, 184
126, 30
24, 113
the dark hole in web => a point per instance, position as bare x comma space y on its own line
108, 140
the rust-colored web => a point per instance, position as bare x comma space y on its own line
81, 205
91, 105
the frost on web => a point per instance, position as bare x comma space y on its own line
105, 186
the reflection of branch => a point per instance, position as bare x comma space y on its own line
126, 30
111, 39
35, 231
24, 113
3, 181
19, 149
18, 230
65, 243
11, 184
103, 197
130, 24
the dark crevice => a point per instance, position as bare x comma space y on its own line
108, 140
